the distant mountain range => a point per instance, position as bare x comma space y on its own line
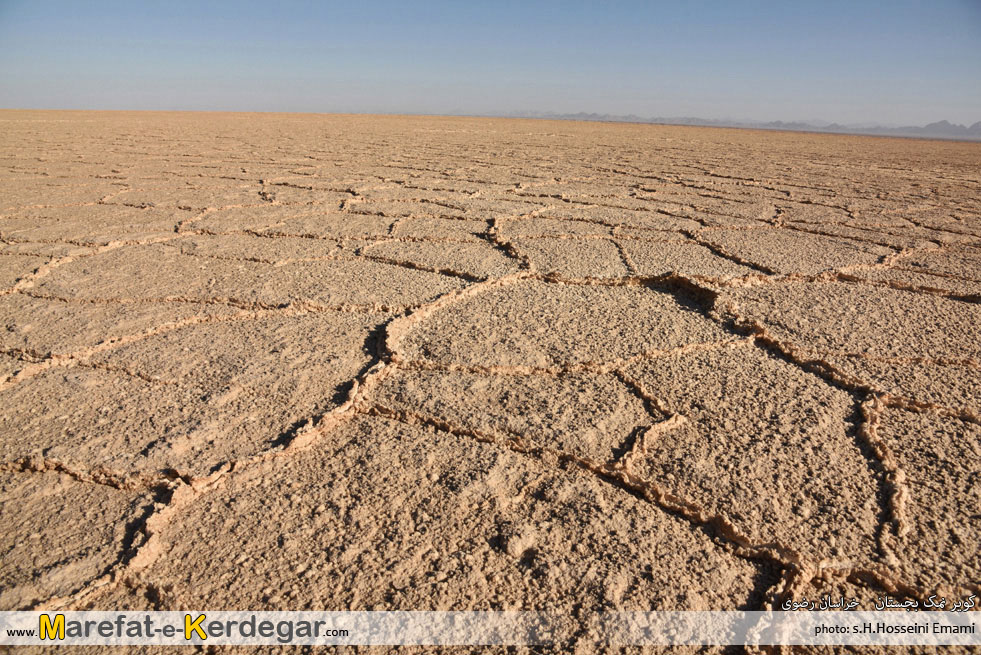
938, 130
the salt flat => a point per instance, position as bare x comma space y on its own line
350, 362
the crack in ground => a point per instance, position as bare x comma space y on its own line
176, 491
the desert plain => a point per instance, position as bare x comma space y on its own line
261, 361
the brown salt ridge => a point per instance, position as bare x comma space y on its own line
319, 175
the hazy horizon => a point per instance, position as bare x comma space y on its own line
849, 63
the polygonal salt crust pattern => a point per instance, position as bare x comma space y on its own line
391, 362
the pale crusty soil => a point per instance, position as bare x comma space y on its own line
336, 362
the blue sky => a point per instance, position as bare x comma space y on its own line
898, 62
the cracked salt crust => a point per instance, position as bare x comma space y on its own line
47, 326
539, 324
782, 251
471, 525
479, 260
592, 416
479, 364
179, 276
96, 224
938, 545
60, 533
920, 346
686, 259
766, 444
573, 257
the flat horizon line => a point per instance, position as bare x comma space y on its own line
580, 117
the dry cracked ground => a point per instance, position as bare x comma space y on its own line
329, 362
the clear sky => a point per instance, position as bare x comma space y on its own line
882, 61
